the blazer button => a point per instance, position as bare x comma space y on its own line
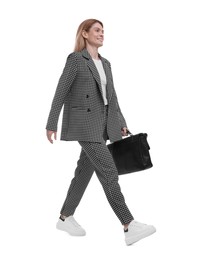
88, 110
87, 96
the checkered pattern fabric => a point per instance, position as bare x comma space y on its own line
79, 90
96, 157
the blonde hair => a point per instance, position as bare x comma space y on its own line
85, 25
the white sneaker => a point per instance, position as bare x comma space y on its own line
71, 226
137, 231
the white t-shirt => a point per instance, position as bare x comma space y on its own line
102, 74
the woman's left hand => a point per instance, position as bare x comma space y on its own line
124, 131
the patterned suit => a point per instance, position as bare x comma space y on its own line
87, 120
79, 89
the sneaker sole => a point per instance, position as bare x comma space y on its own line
133, 239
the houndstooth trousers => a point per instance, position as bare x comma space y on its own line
95, 156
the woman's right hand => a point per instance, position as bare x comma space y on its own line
49, 135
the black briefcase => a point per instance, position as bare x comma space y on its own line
131, 154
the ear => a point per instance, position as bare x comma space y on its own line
84, 34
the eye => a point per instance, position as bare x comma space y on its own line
98, 30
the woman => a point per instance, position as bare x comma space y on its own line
91, 116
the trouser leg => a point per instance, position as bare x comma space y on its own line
107, 173
82, 176
108, 176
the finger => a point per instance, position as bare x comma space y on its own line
55, 135
50, 139
49, 133
125, 130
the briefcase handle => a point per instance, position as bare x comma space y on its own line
129, 132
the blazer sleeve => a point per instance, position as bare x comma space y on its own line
119, 112
63, 87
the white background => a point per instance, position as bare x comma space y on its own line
153, 47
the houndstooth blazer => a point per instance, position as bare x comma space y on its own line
79, 90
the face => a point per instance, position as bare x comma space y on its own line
95, 36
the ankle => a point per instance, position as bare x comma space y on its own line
63, 217
126, 226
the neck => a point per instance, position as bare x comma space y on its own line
93, 51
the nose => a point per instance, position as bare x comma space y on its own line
101, 34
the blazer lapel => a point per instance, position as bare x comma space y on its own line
92, 68
95, 73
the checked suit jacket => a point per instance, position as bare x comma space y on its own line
79, 90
